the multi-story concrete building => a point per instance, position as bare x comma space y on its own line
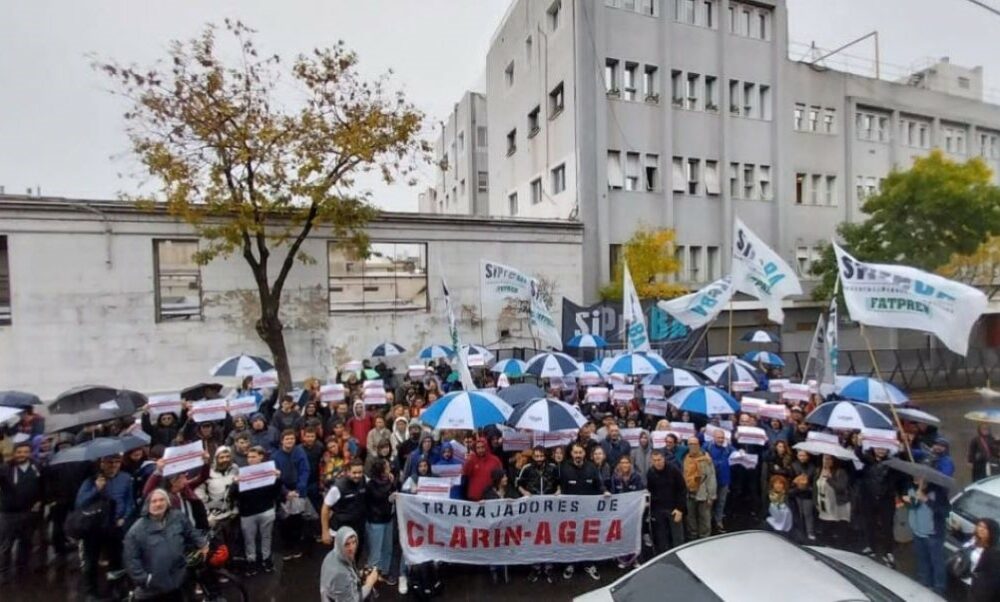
685, 113
461, 161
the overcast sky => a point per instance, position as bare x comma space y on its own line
61, 130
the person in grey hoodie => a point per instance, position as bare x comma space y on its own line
338, 578
156, 547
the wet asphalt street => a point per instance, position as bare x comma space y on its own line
298, 580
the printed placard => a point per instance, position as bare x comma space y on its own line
332, 393
777, 385
656, 406
182, 458
658, 439
241, 406
741, 458
880, 438
683, 430
744, 386
589, 379
813, 386
555, 438
616, 378
774, 410
166, 403
751, 435
446, 470
654, 392
623, 393
632, 436
374, 396
598, 395
475, 361
208, 410
255, 476
711, 429
459, 451
796, 392
516, 441
438, 487
825, 437
751, 405
375, 383
265, 380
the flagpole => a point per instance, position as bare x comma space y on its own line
892, 406
729, 348
701, 338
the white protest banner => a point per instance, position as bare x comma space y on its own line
182, 458
459, 451
702, 306
541, 528
654, 392
241, 406
824, 437
623, 393
375, 383
726, 424
752, 405
597, 395
658, 439
449, 471
632, 436
355, 366
744, 386
373, 396
416, 371
683, 430
656, 406
265, 380
880, 438
590, 378
796, 392
207, 410
255, 476
741, 458
896, 296
164, 404
434, 487
503, 289
813, 386
476, 360
516, 440
777, 411
711, 429
332, 393
760, 272
751, 435
777, 385
636, 336
554, 439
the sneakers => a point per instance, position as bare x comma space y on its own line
291, 555
622, 563
549, 577
592, 572
568, 572
534, 575
889, 560
868, 551
404, 586
811, 537
647, 541
387, 579
250, 568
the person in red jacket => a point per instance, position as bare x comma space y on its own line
360, 424
478, 470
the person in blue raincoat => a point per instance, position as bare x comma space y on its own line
448, 459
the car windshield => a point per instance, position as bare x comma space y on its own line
647, 583
975, 504
875, 591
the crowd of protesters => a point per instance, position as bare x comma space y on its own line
341, 465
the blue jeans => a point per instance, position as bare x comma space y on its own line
380, 546
930, 562
719, 512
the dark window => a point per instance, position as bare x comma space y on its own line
5, 315
177, 280
392, 278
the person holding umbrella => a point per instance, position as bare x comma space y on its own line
927, 506
110, 484
21, 496
983, 450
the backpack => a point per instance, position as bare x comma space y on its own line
91, 520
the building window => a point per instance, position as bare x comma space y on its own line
734, 180
817, 183
5, 308
679, 181
650, 89
533, 126
615, 178
632, 171
649, 7
712, 263
177, 278
652, 172
694, 264
511, 142
691, 92
536, 191
711, 97
733, 25
512, 203
872, 126
764, 177
611, 76
800, 184
676, 93
392, 278
559, 179
692, 175
828, 120
765, 101
681, 257
711, 177
813, 119
690, 7
508, 74
553, 13
831, 190
746, 22
989, 146
614, 255
482, 181
629, 83
734, 97
963, 83
802, 256
764, 24
799, 115
556, 101
749, 110
710, 14
954, 138
481, 136
749, 181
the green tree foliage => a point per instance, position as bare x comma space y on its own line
920, 217
255, 170
650, 255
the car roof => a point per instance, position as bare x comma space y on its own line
990, 485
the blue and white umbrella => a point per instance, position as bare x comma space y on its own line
707, 401
513, 368
872, 390
242, 365
587, 341
387, 349
477, 355
760, 336
677, 377
636, 364
433, 352
848, 415
468, 410
764, 357
593, 369
553, 363
520, 393
720, 372
546, 415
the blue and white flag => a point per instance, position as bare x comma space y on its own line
760, 272
831, 345
896, 296
702, 306
456, 343
635, 321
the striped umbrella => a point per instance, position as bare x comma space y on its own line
760, 336
677, 377
387, 349
513, 368
587, 341
553, 363
848, 415
546, 415
707, 401
872, 390
764, 357
478, 350
637, 364
719, 372
242, 365
466, 410
432, 352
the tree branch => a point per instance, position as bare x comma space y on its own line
293, 250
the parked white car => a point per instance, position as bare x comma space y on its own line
979, 500
753, 566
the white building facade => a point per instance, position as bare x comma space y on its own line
461, 162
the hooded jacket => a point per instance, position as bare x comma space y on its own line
160, 433
264, 437
294, 467
375, 436
154, 552
214, 492
399, 435
642, 456
418, 454
478, 471
360, 424
338, 579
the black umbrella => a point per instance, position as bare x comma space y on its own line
201, 391
134, 440
18, 399
520, 393
87, 397
89, 451
64, 422
922, 472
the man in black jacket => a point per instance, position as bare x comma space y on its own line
879, 487
344, 504
580, 477
538, 477
257, 511
21, 495
667, 499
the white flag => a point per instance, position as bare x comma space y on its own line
816, 362
896, 296
760, 272
830, 346
503, 288
462, 361
700, 307
635, 321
